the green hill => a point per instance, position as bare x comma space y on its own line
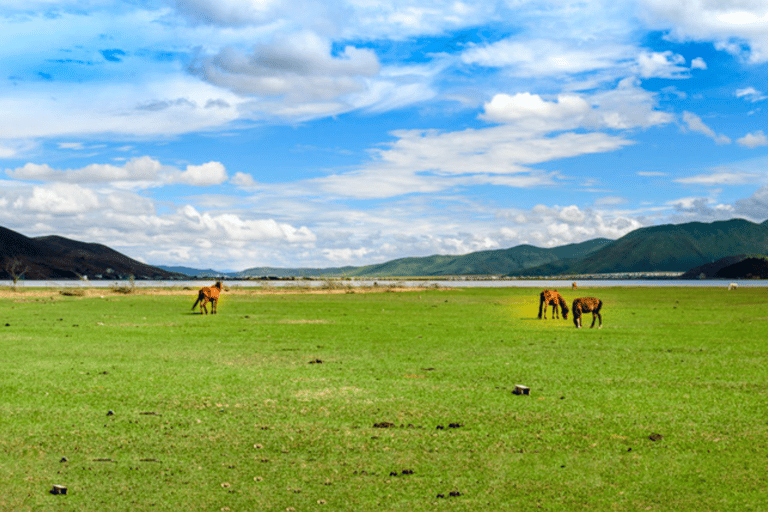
496, 262
671, 248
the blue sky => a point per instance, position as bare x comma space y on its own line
244, 133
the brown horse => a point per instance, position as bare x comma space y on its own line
554, 299
208, 294
587, 305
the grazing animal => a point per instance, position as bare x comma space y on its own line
733, 286
574, 286
554, 299
208, 294
587, 305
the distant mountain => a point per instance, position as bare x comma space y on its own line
297, 272
670, 247
56, 257
496, 262
196, 272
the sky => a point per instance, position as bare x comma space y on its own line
233, 134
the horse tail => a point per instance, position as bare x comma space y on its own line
599, 305
541, 304
199, 297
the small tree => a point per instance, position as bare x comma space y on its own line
14, 269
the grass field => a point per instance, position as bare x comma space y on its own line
383, 401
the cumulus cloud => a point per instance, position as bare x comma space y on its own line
137, 169
211, 173
698, 63
59, 199
625, 107
140, 172
755, 206
572, 214
300, 66
234, 228
244, 181
662, 65
753, 140
566, 111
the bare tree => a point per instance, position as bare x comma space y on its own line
15, 271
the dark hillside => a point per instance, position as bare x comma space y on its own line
710, 270
55, 257
750, 268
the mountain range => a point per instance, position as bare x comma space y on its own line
664, 248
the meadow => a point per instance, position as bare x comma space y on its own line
386, 400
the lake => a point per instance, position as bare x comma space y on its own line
447, 283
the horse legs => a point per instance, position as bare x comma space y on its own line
214, 302
577, 318
596, 315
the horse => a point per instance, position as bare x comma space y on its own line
208, 294
552, 298
587, 305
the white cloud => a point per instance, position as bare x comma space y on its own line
118, 108
297, 66
751, 94
725, 22
625, 107
547, 57
211, 173
662, 65
721, 178
572, 214
244, 181
234, 228
544, 115
695, 124
59, 199
140, 172
346, 19
755, 206
227, 12
753, 140
137, 169
698, 63
430, 161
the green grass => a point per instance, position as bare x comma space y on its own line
241, 420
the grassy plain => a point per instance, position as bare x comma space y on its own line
272, 403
